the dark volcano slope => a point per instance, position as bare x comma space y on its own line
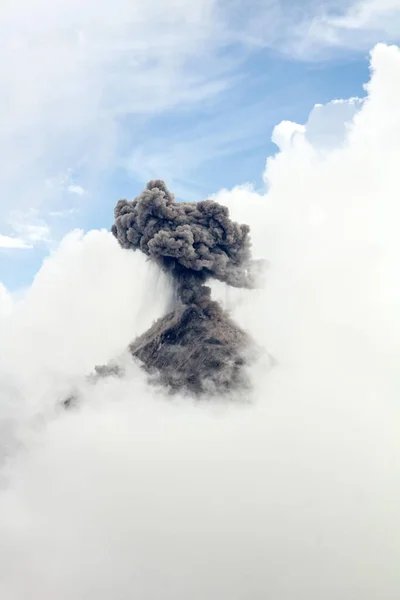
194, 349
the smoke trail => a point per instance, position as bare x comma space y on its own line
196, 347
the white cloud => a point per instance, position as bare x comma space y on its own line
7, 241
63, 213
284, 133
29, 227
294, 496
350, 25
63, 276
76, 189
370, 15
31, 232
6, 302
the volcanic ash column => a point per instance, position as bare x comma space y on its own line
195, 348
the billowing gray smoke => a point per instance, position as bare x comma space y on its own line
193, 241
196, 347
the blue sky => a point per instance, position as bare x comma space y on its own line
101, 99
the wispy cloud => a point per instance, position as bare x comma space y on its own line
29, 227
314, 31
76, 74
76, 189
63, 214
7, 241
346, 26
73, 73
175, 156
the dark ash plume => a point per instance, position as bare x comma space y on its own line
193, 241
196, 347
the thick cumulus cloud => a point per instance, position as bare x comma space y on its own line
5, 301
293, 496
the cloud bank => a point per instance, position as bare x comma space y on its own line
294, 495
